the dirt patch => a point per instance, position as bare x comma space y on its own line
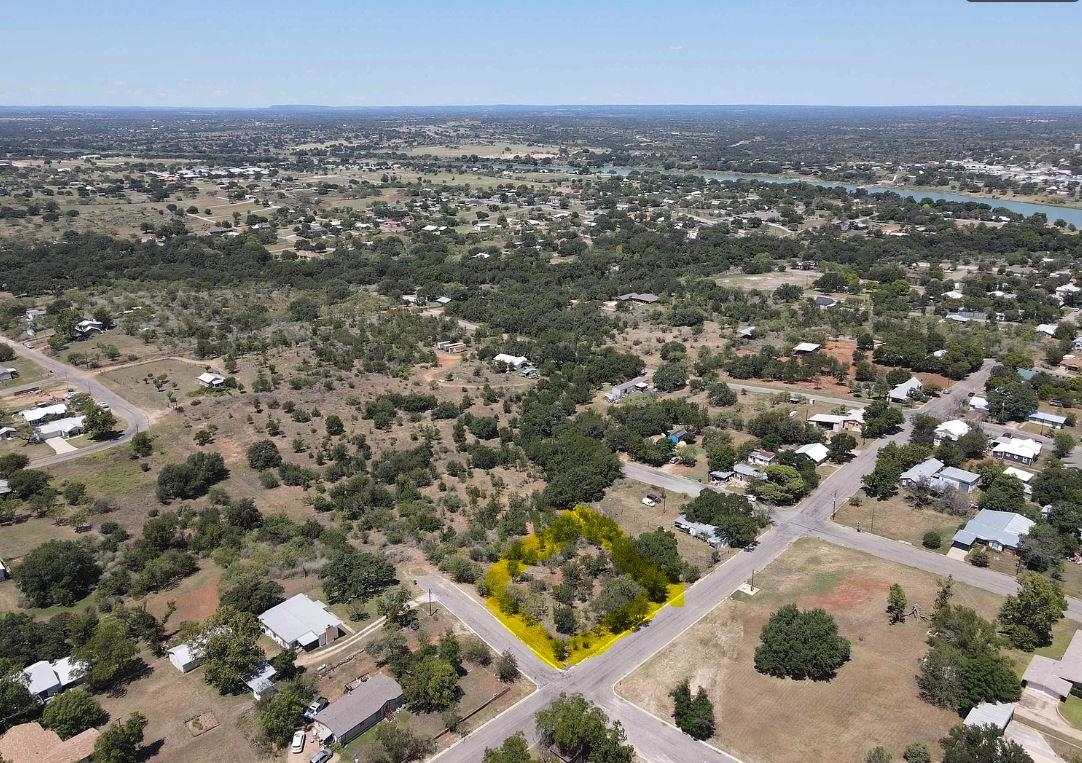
848, 593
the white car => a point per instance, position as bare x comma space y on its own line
648, 501
298, 742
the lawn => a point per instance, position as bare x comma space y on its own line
896, 519
872, 701
29, 372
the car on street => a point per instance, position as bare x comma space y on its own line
317, 704
298, 741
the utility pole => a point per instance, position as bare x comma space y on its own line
834, 511
430, 602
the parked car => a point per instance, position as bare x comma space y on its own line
649, 501
321, 757
317, 704
298, 741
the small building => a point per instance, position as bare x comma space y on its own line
261, 681
1024, 477
89, 327
677, 435
65, 428
958, 479
343, 721
301, 622
46, 679
851, 421
816, 451
628, 388
644, 298
998, 530
978, 403
747, 332
704, 532
6, 433
952, 430
721, 475
762, 457
31, 743
921, 473
1048, 329
5, 573
805, 348
825, 303
1021, 450
746, 473
186, 657
997, 714
514, 361
453, 348
211, 380
904, 392
1053, 420
7, 374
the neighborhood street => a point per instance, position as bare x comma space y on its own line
134, 419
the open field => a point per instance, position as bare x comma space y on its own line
137, 382
769, 281
894, 518
28, 372
873, 699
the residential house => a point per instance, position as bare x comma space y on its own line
747, 332
453, 348
211, 380
43, 413
721, 475
957, 479
515, 361
746, 473
6, 433
998, 530
68, 427
628, 388
31, 743
1056, 678
343, 721
7, 374
46, 679
816, 451
301, 622
850, 421
1024, 477
952, 430
978, 403
825, 303
905, 391
704, 532
1053, 420
646, 298
676, 436
89, 327
1021, 450
805, 348
997, 714
1048, 329
762, 457
1066, 291
1026, 374
922, 472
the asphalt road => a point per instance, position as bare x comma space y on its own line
135, 419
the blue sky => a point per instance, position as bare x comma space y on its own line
413, 53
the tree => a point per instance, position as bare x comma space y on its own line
1062, 444
58, 572
264, 454
507, 667
693, 715
896, 604
351, 574
981, 744
515, 749
670, 377
1012, 401
801, 644
142, 445
1006, 493
231, 650
924, 427
431, 685
280, 716
917, 752
397, 744
120, 742
27, 483
878, 755
621, 603
881, 417
249, 591
15, 698
11, 463
334, 425
581, 731
99, 423
841, 447
1028, 617
110, 653
73, 712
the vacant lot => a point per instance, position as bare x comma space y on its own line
769, 281
872, 701
896, 519
150, 385
28, 372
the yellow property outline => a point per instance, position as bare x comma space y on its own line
585, 644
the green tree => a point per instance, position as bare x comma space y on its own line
515, 749
801, 644
1028, 617
99, 423
431, 686
280, 715
880, 418
878, 755
249, 591
15, 699
981, 744
1063, 443
507, 667
917, 752
670, 377
581, 731
73, 712
264, 454
896, 604
231, 649
142, 444
111, 654
841, 447
350, 574
58, 572
334, 425
396, 743
694, 715
1006, 493
121, 742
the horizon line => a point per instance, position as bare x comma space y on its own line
326, 107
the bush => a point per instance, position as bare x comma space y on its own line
59, 572
801, 644
932, 540
263, 455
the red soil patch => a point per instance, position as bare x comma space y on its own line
850, 593
445, 362
194, 602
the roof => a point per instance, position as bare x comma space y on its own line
1047, 418
30, 743
1018, 474
1026, 373
511, 360
30, 415
1018, 446
922, 471
953, 429
955, 474
45, 676
996, 714
903, 389
1003, 527
854, 414
296, 616
262, 678
825, 301
1070, 664
806, 347
1044, 671
208, 378
369, 698
816, 451
61, 425
978, 402
748, 471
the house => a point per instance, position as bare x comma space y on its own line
1053, 420
1019, 449
69, 427
978, 403
747, 332
187, 656
261, 681
7, 374
443, 301
957, 479
721, 475
997, 714
952, 430
343, 721
904, 392
34, 313
746, 473
957, 318
301, 622
825, 303
211, 380
46, 679
646, 299
850, 421
6, 433
1056, 678
89, 327
1066, 291
762, 457
998, 530
1048, 329
453, 348
704, 532
805, 347
30, 743
628, 388
816, 451
676, 436
922, 472
43, 413
1024, 477
515, 361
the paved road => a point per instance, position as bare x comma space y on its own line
649, 475
135, 419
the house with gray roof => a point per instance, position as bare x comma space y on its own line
998, 530
922, 472
301, 622
355, 713
1056, 677
1053, 420
958, 479
702, 531
903, 393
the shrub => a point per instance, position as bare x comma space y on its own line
932, 540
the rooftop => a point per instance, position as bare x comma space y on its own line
298, 616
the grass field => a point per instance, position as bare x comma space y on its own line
28, 372
872, 701
896, 519
135, 383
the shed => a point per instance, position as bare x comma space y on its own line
996, 714
816, 451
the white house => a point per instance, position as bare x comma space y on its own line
301, 622
958, 479
88, 327
805, 347
69, 427
1019, 449
952, 430
43, 413
1024, 477
903, 393
852, 420
7, 374
46, 679
211, 380
515, 361
816, 451
978, 403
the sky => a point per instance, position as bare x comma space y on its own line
474, 52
